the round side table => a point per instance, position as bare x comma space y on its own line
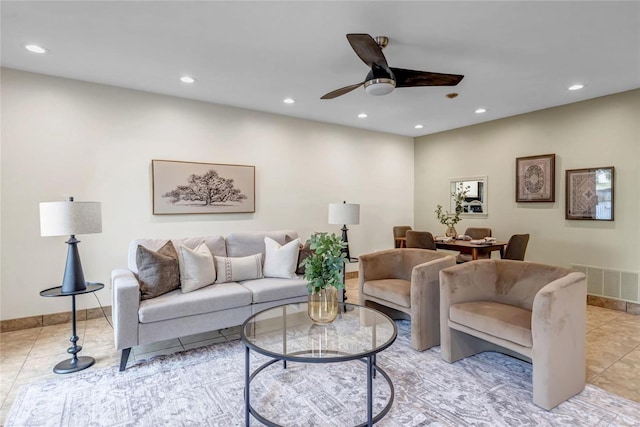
75, 363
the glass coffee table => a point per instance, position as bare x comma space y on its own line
286, 333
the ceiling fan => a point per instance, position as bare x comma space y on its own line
382, 79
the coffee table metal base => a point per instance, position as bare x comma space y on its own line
372, 369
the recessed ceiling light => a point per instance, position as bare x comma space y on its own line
288, 100
362, 115
187, 79
418, 126
35, 48
481, 110
576, 87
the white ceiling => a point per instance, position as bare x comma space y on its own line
516, 56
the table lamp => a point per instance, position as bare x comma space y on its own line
71, 218
346, 214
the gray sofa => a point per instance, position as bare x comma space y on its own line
177, 314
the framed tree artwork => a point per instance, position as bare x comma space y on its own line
202, 188
535, 178
589, 194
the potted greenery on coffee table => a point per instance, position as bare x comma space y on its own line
323, 271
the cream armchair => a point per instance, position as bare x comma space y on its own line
404, 284
531, 311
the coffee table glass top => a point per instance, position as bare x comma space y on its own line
286, 332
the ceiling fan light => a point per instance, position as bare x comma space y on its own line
378, 87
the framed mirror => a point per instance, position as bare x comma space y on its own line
589, 194
476, 202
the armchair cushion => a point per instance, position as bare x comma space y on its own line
397, 291
499, 320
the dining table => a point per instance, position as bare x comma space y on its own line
475, 249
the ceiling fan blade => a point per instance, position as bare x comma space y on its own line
368, 50
410, 78
336, 93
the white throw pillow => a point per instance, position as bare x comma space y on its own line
238, 268
197, 269
280, 261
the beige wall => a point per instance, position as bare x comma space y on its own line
63, 137
600, 132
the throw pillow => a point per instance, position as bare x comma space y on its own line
305, 251
238, 268
158, 272
197, 269
280, 261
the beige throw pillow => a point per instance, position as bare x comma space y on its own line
280, 261
158, 272
238, 268
197, 269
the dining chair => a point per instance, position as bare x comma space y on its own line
478, 232
400, 233
516, 247
420, 239
475, 233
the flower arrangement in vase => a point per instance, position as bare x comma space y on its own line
451, 219
323, 271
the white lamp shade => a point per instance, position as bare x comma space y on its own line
70, 218
344, 213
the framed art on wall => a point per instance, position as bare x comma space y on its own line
535, 178
589, 194
202, 188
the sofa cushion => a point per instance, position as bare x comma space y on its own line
235, 269
158, 271
270, 289
249, 243
206, 300
215, 244
397, 291
197, 269
280, 260
499, 320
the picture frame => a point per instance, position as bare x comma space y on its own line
589, 194
202, 188
535, 178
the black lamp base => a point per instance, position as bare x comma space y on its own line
74, 365
73, 280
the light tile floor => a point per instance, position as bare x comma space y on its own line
613, 350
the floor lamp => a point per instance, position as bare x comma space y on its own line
346, 214
71, 218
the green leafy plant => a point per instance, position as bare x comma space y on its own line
323, 268
451, 219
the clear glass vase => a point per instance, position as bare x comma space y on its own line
451, 232
323, 305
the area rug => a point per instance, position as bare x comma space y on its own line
204, 387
